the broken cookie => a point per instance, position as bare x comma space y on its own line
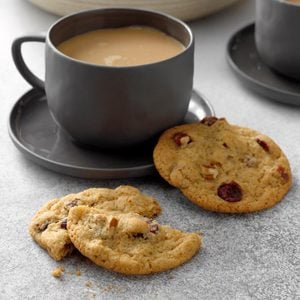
49, 225
134, 245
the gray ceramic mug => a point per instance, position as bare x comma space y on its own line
277, 35
109, 106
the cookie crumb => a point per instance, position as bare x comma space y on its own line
88, 284
57, 272
108, 288
78, 272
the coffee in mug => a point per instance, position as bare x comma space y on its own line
124, 46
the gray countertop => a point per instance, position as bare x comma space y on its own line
254, 256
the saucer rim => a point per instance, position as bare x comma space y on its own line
79, 171
260, 87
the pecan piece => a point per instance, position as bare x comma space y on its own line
209, 121
250, 161
285, 176
182, 139
210, 172
231, 192
263, 144
153, 228
63, 224
208, 177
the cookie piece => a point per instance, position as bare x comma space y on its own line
223, 167
129, 243
57, 272
49, 225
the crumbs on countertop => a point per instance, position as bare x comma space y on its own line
108, 288
88, 284
57, 272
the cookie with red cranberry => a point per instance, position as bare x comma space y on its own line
129, 243
223, 167
49, 225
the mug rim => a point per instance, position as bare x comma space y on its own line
121, 9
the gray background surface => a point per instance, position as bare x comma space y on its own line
254, 256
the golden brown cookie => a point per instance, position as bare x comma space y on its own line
223, 167
129, 243
49, 225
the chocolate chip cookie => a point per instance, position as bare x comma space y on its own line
49, 225
129, 243
223, 167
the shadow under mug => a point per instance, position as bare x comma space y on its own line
109, 106
277, 35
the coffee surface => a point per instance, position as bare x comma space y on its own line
125, 46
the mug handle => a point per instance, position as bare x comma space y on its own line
20, 63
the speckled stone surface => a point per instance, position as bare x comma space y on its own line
254, 256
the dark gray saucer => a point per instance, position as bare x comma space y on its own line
251, 70
35, 134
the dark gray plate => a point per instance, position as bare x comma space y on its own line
35, 134
251, 70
